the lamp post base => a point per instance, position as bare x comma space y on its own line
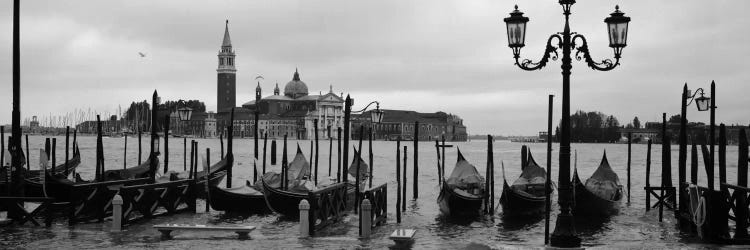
564, 235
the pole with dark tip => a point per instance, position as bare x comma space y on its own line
630, 142
666, 165
398, 180
265, 143
694, 164
221, 142
54, 152
230, 139
524, 156
184, 153
338, 155
330, 153
48, 147
139, 146
192, 153
741, 214
487, 176
14, 146
166, 143
722, 157
284, 167
682, 157
548, 178
648, 175
273, 151
403, 204
347, 116
208, 177
369, 147
124, 152
442, 164
2, 159
415, 187
28, 166
358, 174
255, 138
437, 151
712, 132
492, 178
317, 149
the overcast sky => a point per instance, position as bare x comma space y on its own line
427, 56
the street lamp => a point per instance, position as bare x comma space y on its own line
617, 26
184, 112
376, 116
701, 102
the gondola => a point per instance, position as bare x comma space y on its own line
602, 193
59, 169
462, 194
34, 187
140, 171
286, 202
526, 196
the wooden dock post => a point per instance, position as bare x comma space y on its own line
403, 203
442, 164
357, 175
437, 150
682, 155
648, 175
139, 145
524, 156
256, 136
192, 153
630, 142
722, 156
166, 143
548, 178
365, 219
415, 188
27, 155
273, 151
317, 150
117, 213
347, 115
741, 214
265, 143
492, 178
338, 155
284, 165
124, 152
221, 142
208, 177
369, 148
398, 180
487, 176
67, 148
184, 153
694, 164
708, 166
304, 221
330, 153
54, 152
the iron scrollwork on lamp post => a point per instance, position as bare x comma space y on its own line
617, 25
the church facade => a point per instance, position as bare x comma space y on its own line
292, 114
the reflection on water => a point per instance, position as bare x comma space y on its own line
630, 228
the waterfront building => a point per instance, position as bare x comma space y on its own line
226, 75
399, 124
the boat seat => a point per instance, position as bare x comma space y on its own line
166, 229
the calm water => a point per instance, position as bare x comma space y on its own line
631, 228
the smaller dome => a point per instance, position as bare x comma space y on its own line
296, 87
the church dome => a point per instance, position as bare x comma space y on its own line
296, 87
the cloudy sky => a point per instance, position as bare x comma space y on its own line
422, 55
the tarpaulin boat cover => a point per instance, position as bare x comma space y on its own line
604, 182
465, 175
298, 174
532, 174
365, 173
272, 179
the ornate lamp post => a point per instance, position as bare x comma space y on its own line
376, 116
702, 103
184, 112
617, 25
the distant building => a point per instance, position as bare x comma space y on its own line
202, 124
226, 79
400, 124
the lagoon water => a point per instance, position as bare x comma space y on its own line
633, 227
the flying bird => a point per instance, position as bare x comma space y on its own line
142, 54
259, 77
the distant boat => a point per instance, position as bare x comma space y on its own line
601, 194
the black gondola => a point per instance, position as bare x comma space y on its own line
602, 193
34, 187
140, 171
462, 194
526, 196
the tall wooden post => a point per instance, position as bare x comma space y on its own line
666, 152
8, 169
524, 156
398, 180
682, 156
255, 138
741, 214
230, 137
369, 147
330, 153
317, 149
166, 143
648, 175
338, 155
347, 116
273, 151
28, 165
265, 142
139, 146
630, 142
415, 187
709, 172
722, 156
207, 169
15, 142
184, 153
284, 165
67, 148
221, 142
359, 170
487, 176
694, 164
437, 150
403, 204
192, 153
442, 164
124, 153
548, 178
54, 152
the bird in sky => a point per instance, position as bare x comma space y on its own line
142, 54
259, 77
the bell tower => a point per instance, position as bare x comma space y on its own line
226, 87
257, 93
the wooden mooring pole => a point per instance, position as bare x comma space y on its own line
265, 143
694, 164
741, 214
630, 142
184, 153
437, 150
27, 155
487, 176
67, 148
648, 175
166, 143
139, 146
221, 143
398, 180
330, 154
369, 157
548, 179
206, 168
273, 152
403, 203
722, 156
317, 149
338, 155
415, 188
